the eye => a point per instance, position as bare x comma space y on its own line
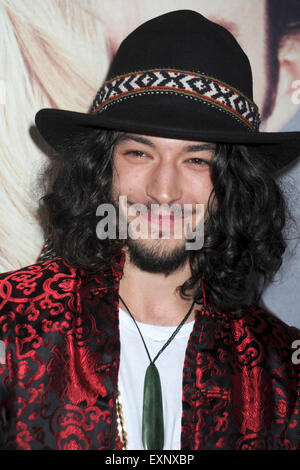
136, 153
198, 161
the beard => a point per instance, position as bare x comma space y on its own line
157, 258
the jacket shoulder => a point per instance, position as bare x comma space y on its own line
270, 323
41, 287
276, 340
31, 280
51, 264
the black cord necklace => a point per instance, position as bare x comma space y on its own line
153, 421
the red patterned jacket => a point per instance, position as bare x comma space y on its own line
58, 386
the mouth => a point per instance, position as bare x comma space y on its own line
160, 219
171, 218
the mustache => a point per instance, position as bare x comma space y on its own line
159, 209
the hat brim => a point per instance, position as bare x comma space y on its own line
58, 126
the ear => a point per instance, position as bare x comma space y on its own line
287, 101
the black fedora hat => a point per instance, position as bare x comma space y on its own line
178, 76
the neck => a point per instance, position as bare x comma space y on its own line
152, 298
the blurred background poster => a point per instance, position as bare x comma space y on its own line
56, 54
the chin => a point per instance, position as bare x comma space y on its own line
158, 245
158, 256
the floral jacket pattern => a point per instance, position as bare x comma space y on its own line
59, 382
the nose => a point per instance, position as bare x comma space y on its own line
164, 185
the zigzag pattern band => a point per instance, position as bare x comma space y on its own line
198, 86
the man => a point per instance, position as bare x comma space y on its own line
268, 32
126, 342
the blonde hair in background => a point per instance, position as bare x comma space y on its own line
52, 54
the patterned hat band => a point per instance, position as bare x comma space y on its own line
187, 84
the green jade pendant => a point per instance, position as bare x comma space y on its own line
153, 419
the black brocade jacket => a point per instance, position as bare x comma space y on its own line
59, 384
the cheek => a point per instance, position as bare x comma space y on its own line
115, 183
202, 187
121, 176
126, 182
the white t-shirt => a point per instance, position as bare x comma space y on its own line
133, 364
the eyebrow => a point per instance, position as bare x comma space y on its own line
145, 141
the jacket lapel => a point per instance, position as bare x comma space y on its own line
98, 354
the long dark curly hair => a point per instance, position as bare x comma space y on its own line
247, 211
